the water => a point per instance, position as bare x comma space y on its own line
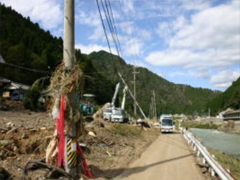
221, 141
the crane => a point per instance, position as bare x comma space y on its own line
115, 95
124, 97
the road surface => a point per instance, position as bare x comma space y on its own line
167, 158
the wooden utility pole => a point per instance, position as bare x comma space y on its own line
69, 60
153, 108
69, 41
155, 105
134, 88
135, 101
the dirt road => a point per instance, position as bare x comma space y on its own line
168, 158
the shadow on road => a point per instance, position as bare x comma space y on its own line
112, 173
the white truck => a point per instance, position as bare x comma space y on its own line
166, 123
107, 113
118, 115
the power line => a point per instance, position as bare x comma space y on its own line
109, 21
114, 26
105, 32
28, 69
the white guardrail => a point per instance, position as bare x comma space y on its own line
215, 167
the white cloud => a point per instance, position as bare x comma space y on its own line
224, 78
194, 5
211, 39
90, 19
194, 59
98, 34
133, 47
87, 49
47, 12
166, 30
128, 5
216, 27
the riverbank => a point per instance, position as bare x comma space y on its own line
229, 162
213, 123
224, 146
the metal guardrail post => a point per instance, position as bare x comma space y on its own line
215, 167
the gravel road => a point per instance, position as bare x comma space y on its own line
168, 158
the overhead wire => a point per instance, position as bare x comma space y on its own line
104, 29
109, 22
127, 18
114, 26
28, 69
112, 23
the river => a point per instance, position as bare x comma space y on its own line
218, 140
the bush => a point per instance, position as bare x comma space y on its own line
126, 130
199, 125
31, 99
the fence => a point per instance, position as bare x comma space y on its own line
215, 167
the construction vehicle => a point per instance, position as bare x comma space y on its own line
124, 97
118, 115
86, 106
166, 123
107, 113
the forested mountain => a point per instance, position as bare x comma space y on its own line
229, 99
24, 44
170, 98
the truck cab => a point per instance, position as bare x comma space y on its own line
107, 113
118, 115
166, 123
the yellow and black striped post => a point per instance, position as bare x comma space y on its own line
71, 153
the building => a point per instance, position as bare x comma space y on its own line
3, 83
232, 115
12, 90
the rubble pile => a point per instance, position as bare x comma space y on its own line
25, 136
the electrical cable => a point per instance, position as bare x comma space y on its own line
114, 26
107, 16
105, 32
28, 69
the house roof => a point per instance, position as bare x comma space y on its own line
5, 80
1, 59
15, 85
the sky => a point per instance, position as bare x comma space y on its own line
192, 42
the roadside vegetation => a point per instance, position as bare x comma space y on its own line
199, 125
228, 162
126, 130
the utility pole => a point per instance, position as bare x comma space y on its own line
70, 150
69, 41
154, 105
130, 92
134, 88
153, 108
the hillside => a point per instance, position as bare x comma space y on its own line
25, 44
229, 99
170, 98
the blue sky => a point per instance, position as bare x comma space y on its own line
194, 42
